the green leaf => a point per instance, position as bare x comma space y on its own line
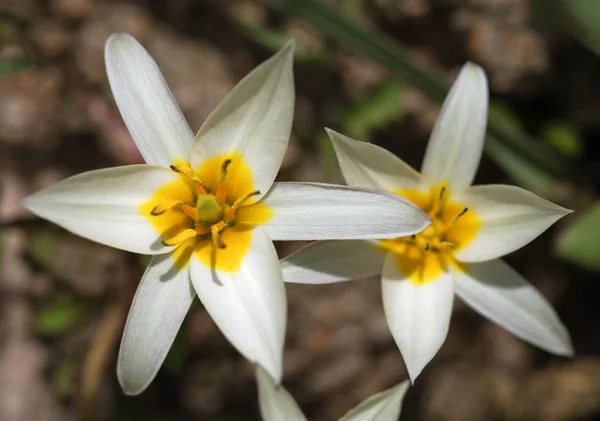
564, 137
374, 110
58, 317
392, 56
64, 377
41, 246
580, 243
579, 17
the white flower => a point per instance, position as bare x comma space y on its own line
276, 404
458, 252
208, 209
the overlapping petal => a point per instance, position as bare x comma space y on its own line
454, 149
384, 406
499, 293
161, 302
249, 306
149, 110
308, 211
371, 166
418, 314
326, 262
255, 120
511, 218
103, 206
276, 403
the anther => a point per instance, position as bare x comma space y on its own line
427, 246
216, 237
442, 192
224, 169
461, 213
165, 206
242, 199
187, 171
438, 204
448, 245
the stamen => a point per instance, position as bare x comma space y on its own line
448, 245
216, 237
165, 206
187, 171
442, 192
461, 213
221, 195
241, 200
191, 211
224, 169
427, 246
202, 229
179, 238
438, 204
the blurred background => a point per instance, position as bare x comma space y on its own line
372, 69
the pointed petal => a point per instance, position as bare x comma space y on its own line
161, 302
276, 403
148, 108
249, 306
511, 218
456, 142
499, 293
103, 206
371, 166
418, 315
326, 262
255, 120
307, 211
384, 406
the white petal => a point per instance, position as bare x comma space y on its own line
308, 211
103, 206
249, 306
326, 262
255, 120
367, 165
276, 403
511, 218
456, 142
418, 315
384, 406
499, 293
148, 108
161, 302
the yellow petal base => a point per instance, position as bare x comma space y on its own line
425, 256
209, 212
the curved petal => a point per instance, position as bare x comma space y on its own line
371, 166
454, 149
161, 302
149, 110
103, 206
384, 406
511, 218
309, 211
249, 306
276, 403
499, 293
418, 314
326, 262
255, 120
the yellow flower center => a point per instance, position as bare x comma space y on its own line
425, 256
208, 212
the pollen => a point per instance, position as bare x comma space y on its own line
425, 256
209, 212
